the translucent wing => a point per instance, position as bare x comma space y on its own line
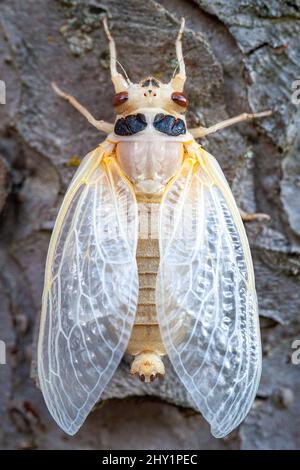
90, 291
206, 300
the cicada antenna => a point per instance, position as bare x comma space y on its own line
179, 79
117, 78
185, 55
125, 73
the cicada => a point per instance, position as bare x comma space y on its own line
189, 294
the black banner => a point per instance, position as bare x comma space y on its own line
135, 459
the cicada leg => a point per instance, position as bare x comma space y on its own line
255, 216
199, 132
179, 79
100, 125
120, 83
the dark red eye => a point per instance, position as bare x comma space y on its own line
180, 99
120, 98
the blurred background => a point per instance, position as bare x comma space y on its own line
240, 56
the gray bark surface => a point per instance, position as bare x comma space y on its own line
240, 56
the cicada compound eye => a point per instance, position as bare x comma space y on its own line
120, 98
180, 99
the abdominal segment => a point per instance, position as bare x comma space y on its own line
150, 164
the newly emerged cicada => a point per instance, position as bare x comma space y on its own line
189, 294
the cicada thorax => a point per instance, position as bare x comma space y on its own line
149, 147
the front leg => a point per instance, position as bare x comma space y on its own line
255, 216
100, 125
199, 132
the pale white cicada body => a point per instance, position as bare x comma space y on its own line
190, 294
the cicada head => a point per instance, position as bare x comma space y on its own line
150, 93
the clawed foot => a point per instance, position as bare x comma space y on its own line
256, 216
